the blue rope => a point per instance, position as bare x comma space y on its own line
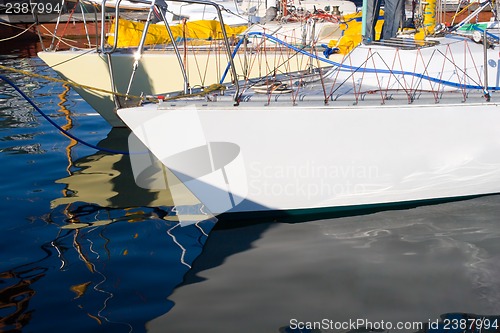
62, 130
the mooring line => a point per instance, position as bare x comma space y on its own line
62, 130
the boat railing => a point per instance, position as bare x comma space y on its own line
102, 46
457, 72
108, 40
140, 49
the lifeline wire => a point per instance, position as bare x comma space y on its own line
62, 130
340, 66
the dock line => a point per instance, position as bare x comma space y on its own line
74, 84
62, 130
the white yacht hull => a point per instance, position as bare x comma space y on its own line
307, 157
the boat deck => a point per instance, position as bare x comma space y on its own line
405, 43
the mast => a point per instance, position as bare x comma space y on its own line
363, 17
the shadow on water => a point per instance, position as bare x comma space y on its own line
409, 265
255, 225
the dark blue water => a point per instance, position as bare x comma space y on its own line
83, 249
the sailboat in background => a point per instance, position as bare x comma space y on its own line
119, 72
395, 122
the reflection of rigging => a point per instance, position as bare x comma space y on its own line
18, 290
81, 289
99, 192
14, 298
100, 294
18, 282
68, 125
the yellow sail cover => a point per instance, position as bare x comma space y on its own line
351, 35
129, 32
